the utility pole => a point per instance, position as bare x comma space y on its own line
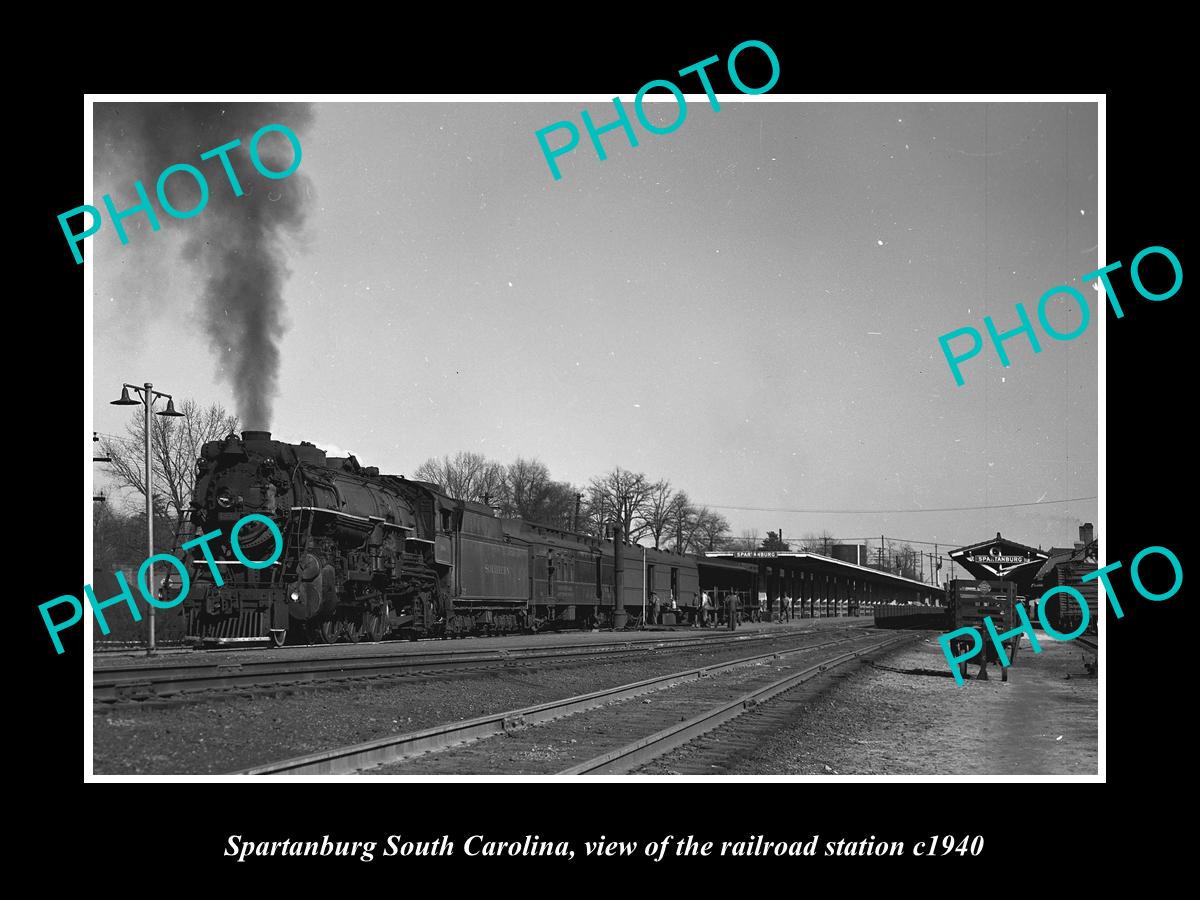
575, 514
100, 497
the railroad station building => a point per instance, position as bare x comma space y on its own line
812, 585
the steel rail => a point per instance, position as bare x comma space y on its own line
111, 684
624, 759
343, 760
137, 649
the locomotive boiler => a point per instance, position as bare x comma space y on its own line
363, 553
367, 555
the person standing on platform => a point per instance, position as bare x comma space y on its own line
705, 607
654, 606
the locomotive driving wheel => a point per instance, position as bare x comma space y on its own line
328, 631
375, 625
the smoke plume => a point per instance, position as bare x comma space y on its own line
237, 244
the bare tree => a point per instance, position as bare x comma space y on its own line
661, 511
621, 496
686, 521
897, 557
527, 482
595, 516
749, 538
730, 542
905, 560
531, 494
704, 529
468, 476
175, 444
821, 542
559, 508
115, 539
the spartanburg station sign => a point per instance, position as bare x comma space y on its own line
1000, 559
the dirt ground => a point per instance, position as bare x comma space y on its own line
239, 731
905, 715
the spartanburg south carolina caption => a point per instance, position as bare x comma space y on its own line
535, 845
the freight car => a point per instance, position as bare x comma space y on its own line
1063, 613
368, 555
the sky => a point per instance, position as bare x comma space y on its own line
749, 306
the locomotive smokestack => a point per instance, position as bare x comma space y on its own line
256, 435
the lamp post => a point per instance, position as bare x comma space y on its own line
148, 396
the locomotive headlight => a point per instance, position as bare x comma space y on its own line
295, 595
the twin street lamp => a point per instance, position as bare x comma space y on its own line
148, 396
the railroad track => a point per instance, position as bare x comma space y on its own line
130, 648
137, 649
727, 741
199, 681
1090, 644
406, 748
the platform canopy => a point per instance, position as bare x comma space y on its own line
1001, 559
869, 585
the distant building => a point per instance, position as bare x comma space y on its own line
851, 553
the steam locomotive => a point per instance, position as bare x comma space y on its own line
368, 555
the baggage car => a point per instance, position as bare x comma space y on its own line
971, 602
